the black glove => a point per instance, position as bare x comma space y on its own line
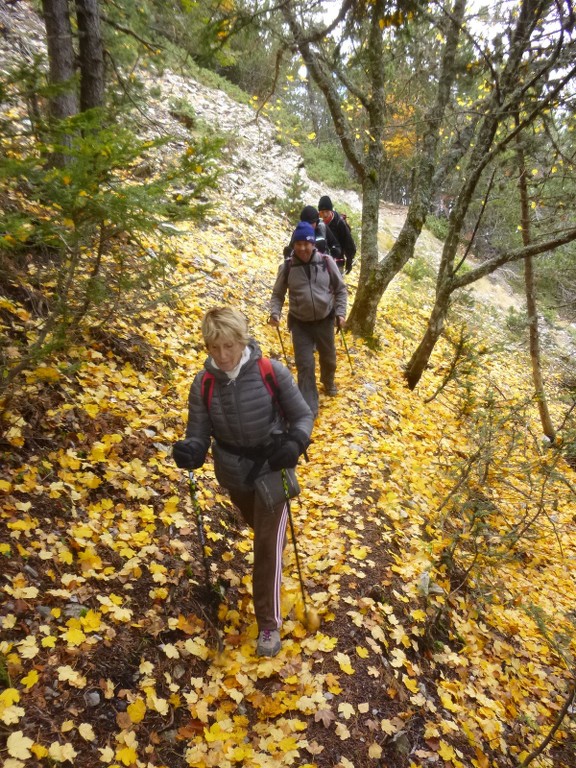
188, 455
299, 437
284, 457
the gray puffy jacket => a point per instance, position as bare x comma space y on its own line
243, 416
314, 289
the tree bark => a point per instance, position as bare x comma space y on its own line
375, 276
60, 58
421, 356
532, 309
91, 52
507, 98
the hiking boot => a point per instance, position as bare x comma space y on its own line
332, 390
268, 643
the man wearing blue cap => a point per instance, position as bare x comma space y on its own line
317, 298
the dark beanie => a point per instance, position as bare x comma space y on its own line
309, 213
325, 204
304, 231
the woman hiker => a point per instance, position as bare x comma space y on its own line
260, 425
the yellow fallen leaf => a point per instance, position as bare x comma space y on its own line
86, 731
397, 658
30, 679
39, 751
410, 683
137, 710
346, 709
374, 751
68, 675
106, 754
343, 661
61, 752
28, 647
74, 636
342, 731
126, 755
445, 751
388, 727
171, 651
19, 745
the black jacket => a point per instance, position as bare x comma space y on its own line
341, 231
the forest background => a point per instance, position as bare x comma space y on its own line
151, 168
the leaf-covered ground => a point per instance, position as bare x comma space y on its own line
437, 544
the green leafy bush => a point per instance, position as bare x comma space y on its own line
82, 206
327, 164
438, 225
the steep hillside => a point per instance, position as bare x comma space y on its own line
437, 535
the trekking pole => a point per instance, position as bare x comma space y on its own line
215, 592
346, 348
311, 618
282, 345
200, 527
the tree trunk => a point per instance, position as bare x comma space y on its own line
91, 54
375, 276
313, 109
421, 356
60, 57
529, 286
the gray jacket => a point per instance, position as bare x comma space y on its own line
242, 417
315, 289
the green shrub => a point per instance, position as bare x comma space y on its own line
293, 203
516, 322
419, 268
327, 164
438, 226
76, 233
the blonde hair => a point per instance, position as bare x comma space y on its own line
225, 323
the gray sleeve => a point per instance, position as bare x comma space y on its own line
339, 288
279, 291
199, 426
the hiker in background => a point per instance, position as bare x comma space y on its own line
317, 298
326, 241
261, 424
340, 228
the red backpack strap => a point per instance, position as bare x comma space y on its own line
207, 388
268, 377
270, 381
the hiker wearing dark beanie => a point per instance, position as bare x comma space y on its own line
326, 241
317, 299
337, 224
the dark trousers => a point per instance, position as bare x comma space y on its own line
269, 537
306, 337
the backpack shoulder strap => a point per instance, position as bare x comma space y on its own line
207, 388
270, 381
268, 376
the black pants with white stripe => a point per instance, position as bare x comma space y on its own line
269, 537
